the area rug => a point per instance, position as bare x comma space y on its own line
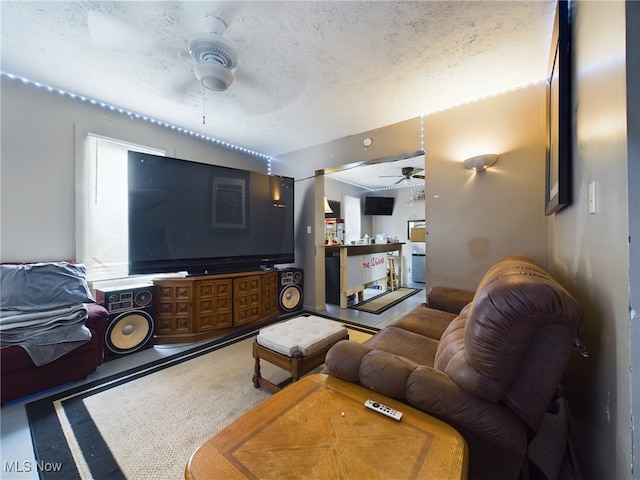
386, 300
146, 422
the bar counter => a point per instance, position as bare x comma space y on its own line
359, 267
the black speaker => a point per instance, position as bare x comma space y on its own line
131, 324
290, 289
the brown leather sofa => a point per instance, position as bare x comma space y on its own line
491, 370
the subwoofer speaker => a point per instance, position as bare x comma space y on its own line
131, 323
290, 288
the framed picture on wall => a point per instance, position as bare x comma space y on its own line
558, 165
229, 204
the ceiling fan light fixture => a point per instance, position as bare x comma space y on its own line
212, 47
213, 75
215, 60
480, 163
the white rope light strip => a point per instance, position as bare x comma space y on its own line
138, 116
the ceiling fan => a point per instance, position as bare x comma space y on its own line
214, 55
407, 174
208, 54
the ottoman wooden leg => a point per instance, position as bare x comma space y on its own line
257, 377
256, 373
296, 366
272, 357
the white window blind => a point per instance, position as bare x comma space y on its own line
102, 240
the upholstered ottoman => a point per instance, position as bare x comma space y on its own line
298, 345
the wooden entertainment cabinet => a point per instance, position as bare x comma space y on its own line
191, 309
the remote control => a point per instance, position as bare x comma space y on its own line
383, 409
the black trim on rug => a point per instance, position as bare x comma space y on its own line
47, 436
352, 325
97, 450
49, 444
386, 307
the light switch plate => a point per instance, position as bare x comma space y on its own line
593, 197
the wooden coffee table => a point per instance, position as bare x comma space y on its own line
319, 428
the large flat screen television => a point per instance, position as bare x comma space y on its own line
378, 205
202, 218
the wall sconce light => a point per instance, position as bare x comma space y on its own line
481, 162
327, 208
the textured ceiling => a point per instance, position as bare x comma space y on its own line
382, 176
308, 73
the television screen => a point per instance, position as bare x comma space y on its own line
378, 205
201, 218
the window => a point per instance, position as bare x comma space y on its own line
352, 218
102, 207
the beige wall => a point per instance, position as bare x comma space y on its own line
336, 190
473, 219
590, 252
389, 141
47, 166
38, 165
632, 10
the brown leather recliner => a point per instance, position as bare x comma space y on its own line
491, 371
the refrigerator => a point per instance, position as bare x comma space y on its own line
418, 237
418, 262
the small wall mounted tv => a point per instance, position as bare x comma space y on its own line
378, 205
202, 218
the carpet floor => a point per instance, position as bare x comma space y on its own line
145, 423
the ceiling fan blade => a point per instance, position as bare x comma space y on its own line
109, 32
390, 176
259, 94
416, 170
265, 83
419, 176
400, 181
186, 88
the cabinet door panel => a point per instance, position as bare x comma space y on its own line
270, 293
213, 305
173, 305
247, 293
